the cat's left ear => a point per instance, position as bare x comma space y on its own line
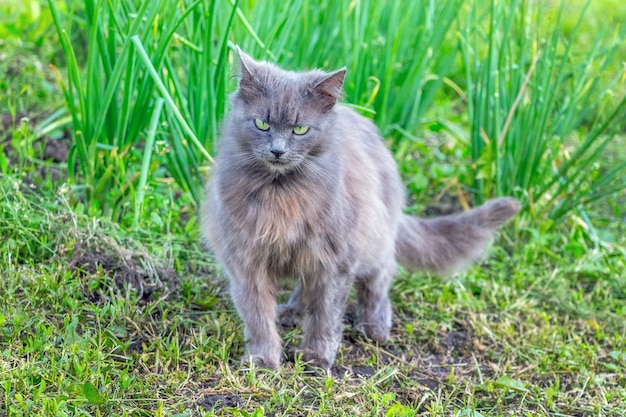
328, 88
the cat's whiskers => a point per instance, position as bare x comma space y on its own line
245, 158
308, 167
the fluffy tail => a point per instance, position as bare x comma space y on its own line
450, 243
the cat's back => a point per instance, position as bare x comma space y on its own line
372, 182
362, 129
366, 157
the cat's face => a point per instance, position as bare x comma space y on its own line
280, 118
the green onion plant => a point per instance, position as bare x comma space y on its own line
541, 115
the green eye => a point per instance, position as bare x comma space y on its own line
261, 125
300, 130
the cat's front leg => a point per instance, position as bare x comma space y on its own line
255, 300
324, 300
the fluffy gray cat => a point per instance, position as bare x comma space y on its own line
304, 188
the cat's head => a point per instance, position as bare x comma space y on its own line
280, 119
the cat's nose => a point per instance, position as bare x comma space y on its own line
278, 152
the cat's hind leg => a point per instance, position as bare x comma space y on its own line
373, 305
290, 314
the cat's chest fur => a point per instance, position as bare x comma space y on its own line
290, 227
278, 212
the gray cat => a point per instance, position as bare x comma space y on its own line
304, 188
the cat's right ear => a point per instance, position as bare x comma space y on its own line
249, 85
328, 88
245, 62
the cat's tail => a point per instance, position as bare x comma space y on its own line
450, 243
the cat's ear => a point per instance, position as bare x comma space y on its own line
249, 85
245, 64
328, 89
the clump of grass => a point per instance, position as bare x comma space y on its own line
139, 53
25, 234
35, 230
179, 52
540, 116
529, 93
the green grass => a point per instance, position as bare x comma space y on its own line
180, 52
112, 307
533, 331
540, 114
130, 59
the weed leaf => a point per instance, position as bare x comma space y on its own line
259, 412
510, 383
93, 395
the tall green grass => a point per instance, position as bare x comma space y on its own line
541, 114
139, 52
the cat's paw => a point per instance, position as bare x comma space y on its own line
289, 316
376, 331
313, 358
263, 355
260, 361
